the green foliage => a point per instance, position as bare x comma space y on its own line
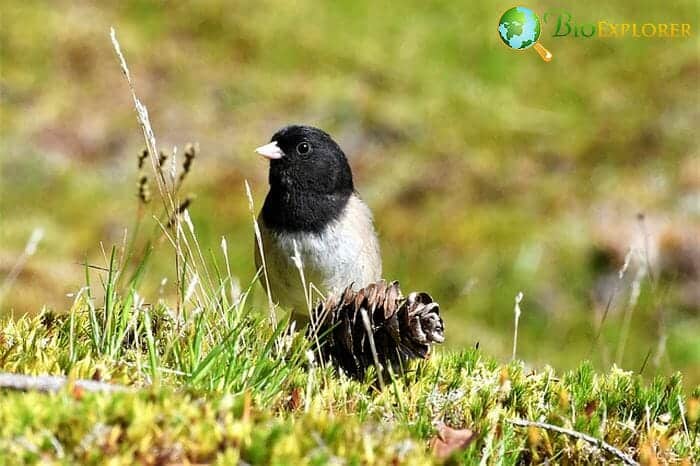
165, 426
226, 348
230, 387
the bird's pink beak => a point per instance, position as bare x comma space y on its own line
272, 151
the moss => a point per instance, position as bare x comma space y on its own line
312, 415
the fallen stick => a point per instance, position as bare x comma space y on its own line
54, 383
619, 454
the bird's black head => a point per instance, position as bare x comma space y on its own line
303, 158
310, 179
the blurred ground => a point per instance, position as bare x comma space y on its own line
489, 172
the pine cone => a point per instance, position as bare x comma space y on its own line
399, 328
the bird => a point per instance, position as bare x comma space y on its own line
312, 214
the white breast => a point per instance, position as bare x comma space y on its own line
345, 252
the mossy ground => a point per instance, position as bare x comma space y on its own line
232, 388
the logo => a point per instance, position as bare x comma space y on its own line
565, 25
520, 29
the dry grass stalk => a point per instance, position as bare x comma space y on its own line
616, 452
175, 210
190, 154
144, 190
142, 157
29, 250
517, 312
142, 116
165, 189
181, 208
162, 158
611, 297
258, 241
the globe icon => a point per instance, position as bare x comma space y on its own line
519, 28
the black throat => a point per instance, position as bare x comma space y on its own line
297, 211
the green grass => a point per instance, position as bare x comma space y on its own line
220, 385
200, 415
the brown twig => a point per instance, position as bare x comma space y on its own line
616, 452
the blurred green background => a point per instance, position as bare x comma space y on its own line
489, 171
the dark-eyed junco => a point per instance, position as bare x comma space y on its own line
312, 202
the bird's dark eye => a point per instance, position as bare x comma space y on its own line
303, 148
